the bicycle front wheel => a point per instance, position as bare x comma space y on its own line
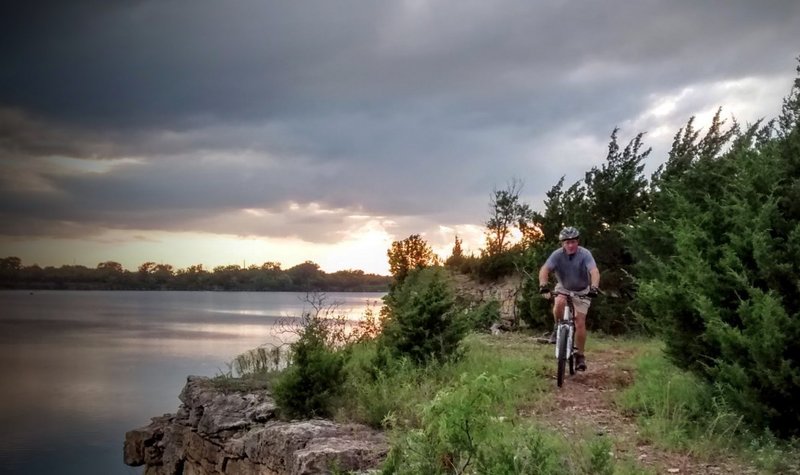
562, 355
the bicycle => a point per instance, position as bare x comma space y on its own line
565, 338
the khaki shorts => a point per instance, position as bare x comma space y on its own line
581, 303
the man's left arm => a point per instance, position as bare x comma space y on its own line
594, 274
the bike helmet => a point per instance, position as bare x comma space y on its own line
568, 233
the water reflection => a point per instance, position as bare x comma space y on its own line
81, 368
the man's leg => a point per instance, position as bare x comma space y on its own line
580, 331
580, 339
558, 308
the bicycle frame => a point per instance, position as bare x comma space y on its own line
567, 324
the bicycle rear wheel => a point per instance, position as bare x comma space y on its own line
562, 355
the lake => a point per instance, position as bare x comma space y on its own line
80, 368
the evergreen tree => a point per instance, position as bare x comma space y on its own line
719, 255
601, 206
457, 257
422, 322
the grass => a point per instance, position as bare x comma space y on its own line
392, 396
678, 412
473, 416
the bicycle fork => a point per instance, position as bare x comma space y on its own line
565, 330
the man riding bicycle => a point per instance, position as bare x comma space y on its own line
576, 271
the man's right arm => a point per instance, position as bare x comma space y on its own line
544, 276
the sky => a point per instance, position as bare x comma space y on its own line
239, 132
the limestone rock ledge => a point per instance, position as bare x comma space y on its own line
505, 291
236, 433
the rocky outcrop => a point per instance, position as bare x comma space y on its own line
236, 433
504, 290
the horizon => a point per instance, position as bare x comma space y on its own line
203, 133
244, 265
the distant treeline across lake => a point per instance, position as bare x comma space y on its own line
111, 275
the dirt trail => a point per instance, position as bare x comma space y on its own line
584, 406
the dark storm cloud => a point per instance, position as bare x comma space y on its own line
166, 63
406, 109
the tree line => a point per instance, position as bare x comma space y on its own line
111, 275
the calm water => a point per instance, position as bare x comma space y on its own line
79, 369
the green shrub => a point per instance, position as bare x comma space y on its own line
469, 265
315, 376
601, 459
525, 450
532, 309
491, 267
482, 316
376, 390
423, 322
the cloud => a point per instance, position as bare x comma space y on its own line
284, 120
24, 136
184, 64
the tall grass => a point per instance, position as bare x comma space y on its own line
462, 433
260, 360
678, 411
390, 395
674, 408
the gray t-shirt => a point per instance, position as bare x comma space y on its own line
572, 271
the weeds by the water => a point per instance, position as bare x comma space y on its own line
260, 360
253, 370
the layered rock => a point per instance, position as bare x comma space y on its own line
505, 290
236, 433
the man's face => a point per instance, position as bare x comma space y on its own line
570, 246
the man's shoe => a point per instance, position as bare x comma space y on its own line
554, 336
580, 362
